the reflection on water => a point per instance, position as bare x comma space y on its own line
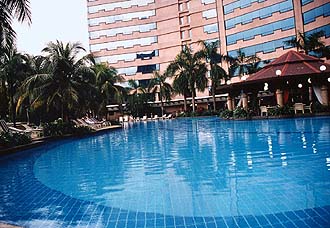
198, 167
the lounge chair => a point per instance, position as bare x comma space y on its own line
144, 118
155, 117
169, 116
121, 120
7, 128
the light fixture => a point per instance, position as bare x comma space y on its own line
228, 82
287, 82
299, 85
323, 68
265, 86
278, 72
328, 79
309, 80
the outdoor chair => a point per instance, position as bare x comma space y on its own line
301, 107
263, 110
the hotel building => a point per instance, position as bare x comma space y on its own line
140, 36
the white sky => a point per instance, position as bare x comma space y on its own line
64, 20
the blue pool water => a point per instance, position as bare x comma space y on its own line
201, 172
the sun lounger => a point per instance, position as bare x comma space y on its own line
169, 116
155, 117
7, 128
144, 118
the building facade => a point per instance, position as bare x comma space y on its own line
140, 36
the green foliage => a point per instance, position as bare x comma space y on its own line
60, 128
226, 114
280, 111
319, 108
240, 113
10, 139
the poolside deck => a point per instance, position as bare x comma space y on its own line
4, 225
42, 140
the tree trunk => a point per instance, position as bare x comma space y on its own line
185, 103
12, 106
213, 96
161, 98
193, 99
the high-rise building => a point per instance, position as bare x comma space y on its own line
140, 36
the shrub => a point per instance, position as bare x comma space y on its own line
226, 114
240, 112
10, 139
60, 128
319, 108
280, 111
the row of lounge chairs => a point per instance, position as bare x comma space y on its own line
144, 118
91, 123
35, 132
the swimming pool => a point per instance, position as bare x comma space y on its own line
200, 172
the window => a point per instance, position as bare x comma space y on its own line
311, 15
190, 33
121, 17
205, 2
229, 8
188, 5
266, 47
181, 21
211, 28
325, 29
146, 55
305, 2
124, 43
261, 13
209, 13
180, 7
189, 19
182, 35
146, 69
122, 30
123, 4
261, 30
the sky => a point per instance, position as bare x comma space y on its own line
64, 20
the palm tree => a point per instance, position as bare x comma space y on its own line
310, 43
13, 67
137, 97
181, 86
189, 66
165, 89
107, 80
241, 64
9, 9
210, 53
61, 87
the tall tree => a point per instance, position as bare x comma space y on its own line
107, 81
9, 10
13, 67
242, 64
310, 44
60, 88
137, 98
158, 84
210, 53
189, 66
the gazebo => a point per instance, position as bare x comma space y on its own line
293, 78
